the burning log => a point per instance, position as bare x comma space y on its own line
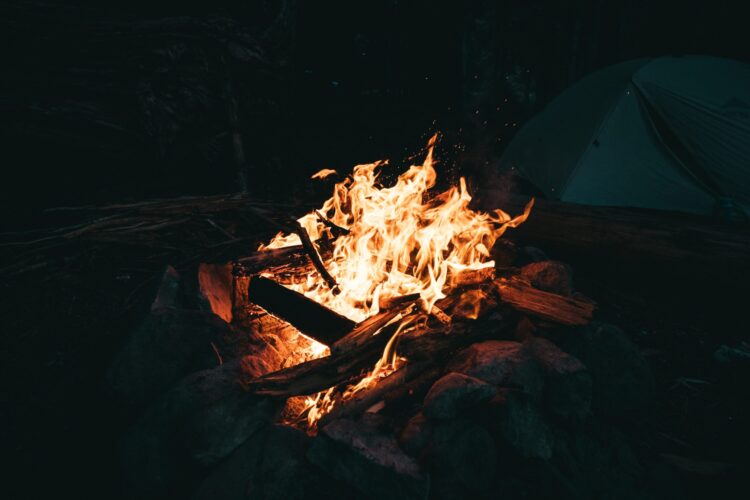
309, 317
391, 302
264, 259
368, 397
546, 305
469, 277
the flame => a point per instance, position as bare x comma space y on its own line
322, 174
400, 241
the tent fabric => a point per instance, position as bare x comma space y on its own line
669, 133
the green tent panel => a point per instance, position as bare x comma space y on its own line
670, 133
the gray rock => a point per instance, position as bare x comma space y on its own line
454, 393
500, 362
270, 465
416, 434
567, 384
550, 276
530, 254
504, 252
462, 461
170, 292
623, 386
518, 423
166, 346
196, 424
597, 463
368, 459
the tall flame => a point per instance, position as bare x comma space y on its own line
399, 241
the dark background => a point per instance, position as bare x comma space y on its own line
122, 100
105, 102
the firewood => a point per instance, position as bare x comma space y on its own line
391, 302
432, 344
377, 392
312, 252
472, 276
309, 317
647, 241
548, 306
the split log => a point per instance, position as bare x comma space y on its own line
432, 344
546, 305
368, 397
352, 354
469, 277
309, 317
391, 302
263, 259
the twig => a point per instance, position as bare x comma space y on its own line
335, 229
312, 252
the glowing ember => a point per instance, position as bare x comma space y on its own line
399, 241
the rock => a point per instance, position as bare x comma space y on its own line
166, 346
567, 383
369, 459
518, 423
504, 252
454, 393
416, 434
500, 362
270, 465
549, 276
623, 386
597, 462
215, 287
462, 461
170, 292
195, 425
530, 254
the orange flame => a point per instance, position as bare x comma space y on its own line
399, 240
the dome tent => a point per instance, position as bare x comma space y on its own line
669, 133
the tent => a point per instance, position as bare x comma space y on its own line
669, 133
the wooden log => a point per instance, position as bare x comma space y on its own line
309, 317
640, 240
391, 302
432, 344
548, 306
263, 259
469, 277
377, 392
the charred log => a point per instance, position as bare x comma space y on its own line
545, 305
309, 317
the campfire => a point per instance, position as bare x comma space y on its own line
365, 328
396, 276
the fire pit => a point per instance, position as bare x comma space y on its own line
388, 344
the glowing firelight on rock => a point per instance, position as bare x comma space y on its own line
400, 240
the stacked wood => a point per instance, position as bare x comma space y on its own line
546, 305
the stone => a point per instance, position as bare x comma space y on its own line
169, 344
623, 386
368, 458
169, 294
549, 276
272, 465
504, 253
453, 393
567, 383
518, 423
597, 462
416, 434
500, 362
462, 461
215, 287
195, 425
530, 254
